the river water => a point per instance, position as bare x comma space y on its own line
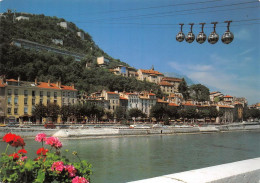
123, 159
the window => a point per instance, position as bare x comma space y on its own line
25, 101
15, 110
48, 94
33, 101
25, 110
63, 100
41, 93
16, 91
9, 100
55, 101
48, 101
25, 92
41, 101
55, 94
73, 101
15, 100
64, 94
33, 93
9, 92
9, 110
68, 94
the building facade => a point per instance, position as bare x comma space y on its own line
20, 97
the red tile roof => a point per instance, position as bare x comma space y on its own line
152, 94
12, 80
188, 104
2, 83
228, 96
114, 93
171, 79
225, 106
161, 101
46, 85
63, 87
150, 72
122, 98
173, 104
165, 83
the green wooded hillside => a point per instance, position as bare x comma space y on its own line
29, 64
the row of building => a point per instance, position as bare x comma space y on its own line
18, 98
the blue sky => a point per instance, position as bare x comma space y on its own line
142, 33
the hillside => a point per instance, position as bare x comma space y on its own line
31, 64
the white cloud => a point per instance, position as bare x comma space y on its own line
247, 51
243, 34
223, 75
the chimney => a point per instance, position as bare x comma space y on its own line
35, 82
73, 87
49, 82
18, 79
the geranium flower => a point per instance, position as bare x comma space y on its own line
22, 151
15, 156
58, 166
14, 140
40, 137
23, 158
54, 142
78, 179
71, 169
42, 151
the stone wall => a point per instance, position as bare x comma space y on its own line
242, 171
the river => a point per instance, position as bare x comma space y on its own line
123, 159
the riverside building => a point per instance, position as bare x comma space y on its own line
18, 98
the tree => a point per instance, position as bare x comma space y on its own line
53, 111
65, 112
183, 114
120, 113
199, 92
213, 113
184, 89
191, 113
40, 111
135, 113
158, 111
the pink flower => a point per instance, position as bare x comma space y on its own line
23, 158
79, 180
54, 142
40, 137
58, 166
71, 169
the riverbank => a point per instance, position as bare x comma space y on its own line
124, 131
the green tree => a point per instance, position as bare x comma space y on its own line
213, 112
158, 111
135, 113
191, 113
65, 112
199, 92
53, 111
39, 111
184, 89
120, 113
